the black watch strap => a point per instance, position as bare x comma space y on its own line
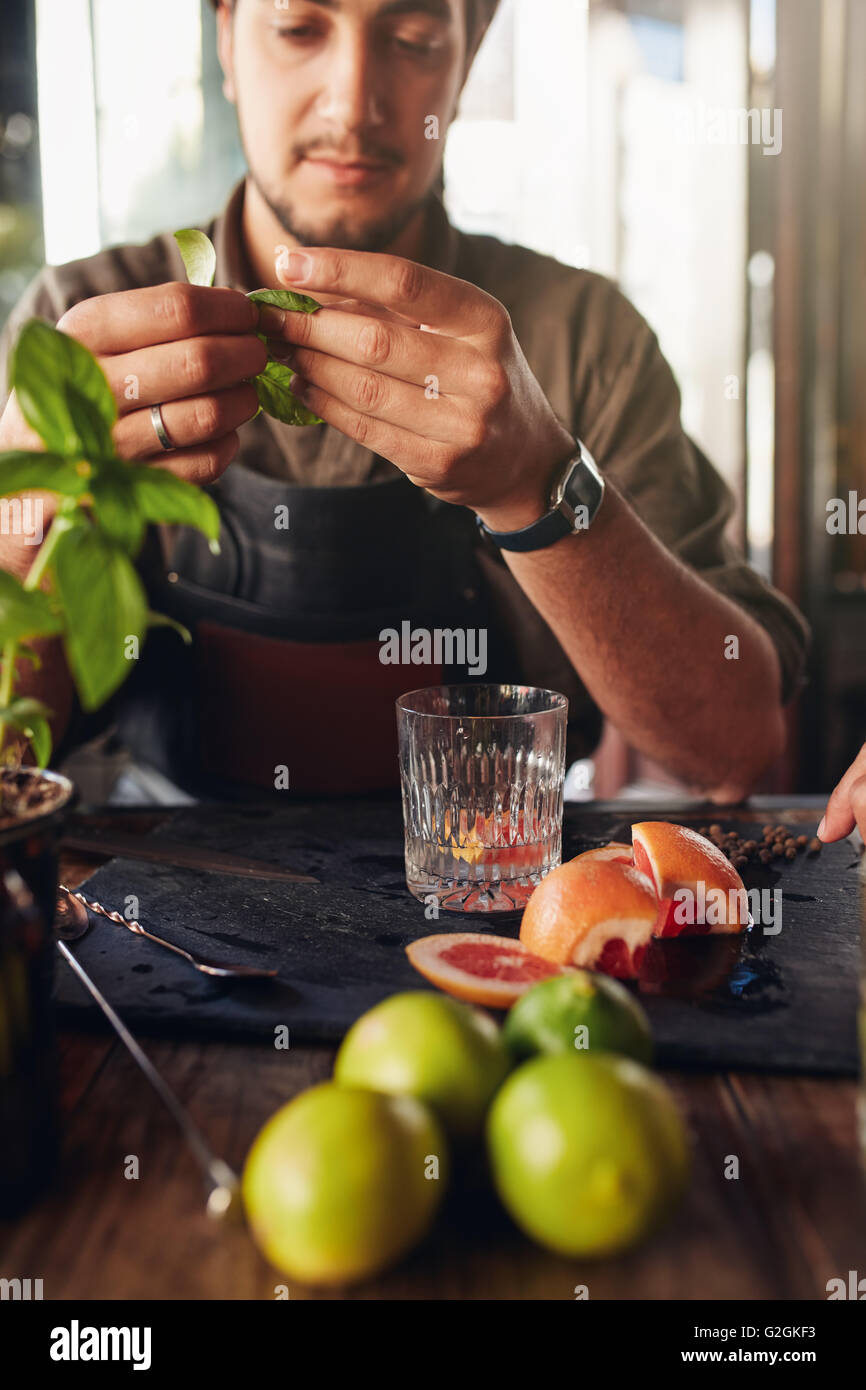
537, 536
574, 505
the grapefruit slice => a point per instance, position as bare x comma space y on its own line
680, 861
489, 970
593, 912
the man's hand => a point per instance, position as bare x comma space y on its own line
439, 385
186, 348
847, 805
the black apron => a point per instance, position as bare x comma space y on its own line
283, 684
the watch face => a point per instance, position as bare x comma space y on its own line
581, 493
559, 494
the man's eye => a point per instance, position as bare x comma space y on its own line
301, 31
406, 46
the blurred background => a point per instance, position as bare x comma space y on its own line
706, 154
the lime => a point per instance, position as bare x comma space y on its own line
340, 1183
576, 1013
445, 1053
588, 1151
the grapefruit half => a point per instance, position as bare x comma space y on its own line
711, 894
595, 913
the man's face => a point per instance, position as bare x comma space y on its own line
334, 101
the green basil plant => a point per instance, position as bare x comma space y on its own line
83, 586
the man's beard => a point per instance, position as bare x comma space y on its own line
342, 231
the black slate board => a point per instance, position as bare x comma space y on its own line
787, 1003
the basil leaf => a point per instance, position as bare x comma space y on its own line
44, 363
162, 620
273, 388
286, 299
26, 653
25, 707
31, 718
91, 429
199, 256
26, 470
25, 612
105, 605
116, 509
160, 496
39, 733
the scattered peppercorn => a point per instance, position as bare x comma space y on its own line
777, 842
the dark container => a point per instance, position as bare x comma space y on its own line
29, 1119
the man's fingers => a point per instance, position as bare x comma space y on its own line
389, 400
420, 294
839, 818
431, 360
189, 423
403, 447
193, 367
201, 466
131, 319
858, 804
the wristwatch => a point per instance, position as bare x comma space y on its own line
574, 504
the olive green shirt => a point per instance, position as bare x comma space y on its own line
601, 368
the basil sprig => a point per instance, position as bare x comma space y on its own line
273, 385
82, 586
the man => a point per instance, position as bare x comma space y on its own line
457, 378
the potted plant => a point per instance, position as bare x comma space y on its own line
83, 590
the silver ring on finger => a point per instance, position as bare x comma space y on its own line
159, 425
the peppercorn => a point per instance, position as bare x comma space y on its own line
815, 846
791, 853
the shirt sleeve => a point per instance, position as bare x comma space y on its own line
628, 415
43, 299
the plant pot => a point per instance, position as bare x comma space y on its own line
29, 1125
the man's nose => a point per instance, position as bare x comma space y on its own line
351, 97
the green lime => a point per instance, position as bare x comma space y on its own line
582, 1012
588, 1151
443, 1052
340, 1183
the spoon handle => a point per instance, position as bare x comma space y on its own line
207, 967
223, 1183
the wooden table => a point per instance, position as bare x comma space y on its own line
795, 1217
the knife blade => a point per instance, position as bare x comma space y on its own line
179, 855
